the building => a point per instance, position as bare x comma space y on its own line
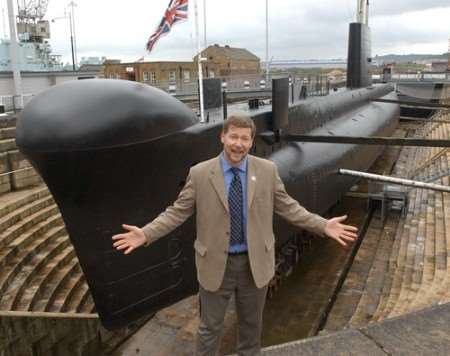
439, 66
220, 62
228, 61
92, 64
151, 72
92, 60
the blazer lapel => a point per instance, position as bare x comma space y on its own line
251, 181
218, 181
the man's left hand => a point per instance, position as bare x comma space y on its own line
342, 233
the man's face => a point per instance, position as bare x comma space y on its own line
237, 142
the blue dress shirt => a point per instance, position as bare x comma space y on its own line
228, 176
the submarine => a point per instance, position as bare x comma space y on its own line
115, 151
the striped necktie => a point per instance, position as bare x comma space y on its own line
235, 202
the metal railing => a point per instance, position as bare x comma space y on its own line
16, 171
314, 84
8, 101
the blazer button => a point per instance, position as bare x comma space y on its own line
227, 233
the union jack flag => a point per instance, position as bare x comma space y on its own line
176, 12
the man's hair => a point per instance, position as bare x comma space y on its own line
244, 122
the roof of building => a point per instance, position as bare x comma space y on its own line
232, 52
336, 73
91, 67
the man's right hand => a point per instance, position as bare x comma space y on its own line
130, 240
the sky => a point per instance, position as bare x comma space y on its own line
298, 29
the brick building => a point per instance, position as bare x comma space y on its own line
228, 61
152, 72
220, 61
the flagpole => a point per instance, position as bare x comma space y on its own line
14, 49
267, 43
199, 59
204, 24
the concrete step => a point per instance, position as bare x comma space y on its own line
413, 262
375, 280
5, 181
14, 263
32, 271
24, 174
8, 144
438, 271
399, 263
12, 201
439, 254
7, 121
429, 251
49, 277
7, 133
408, 157
407, 265
419, 276
444, 291
21, 213
355, 283
74, 294
21, 244
391, 267
14, 236
64, 277
31, 266
86, 304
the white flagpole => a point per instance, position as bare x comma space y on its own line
199, 58
267, 44
14, 49
204, 24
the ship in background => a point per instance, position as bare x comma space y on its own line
35, 53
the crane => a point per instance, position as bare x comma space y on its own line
30, 24
32, 9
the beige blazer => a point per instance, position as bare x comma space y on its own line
204, 193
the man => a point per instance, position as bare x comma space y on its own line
234, 196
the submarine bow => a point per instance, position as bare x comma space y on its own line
94, 143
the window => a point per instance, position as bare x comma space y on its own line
186, 76
145, 76
212, 74
172, 75
152, 77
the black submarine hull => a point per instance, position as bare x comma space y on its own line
114, 152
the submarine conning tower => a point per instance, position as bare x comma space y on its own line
359, 49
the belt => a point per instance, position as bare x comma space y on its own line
237, 253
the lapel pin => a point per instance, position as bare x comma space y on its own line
254, 178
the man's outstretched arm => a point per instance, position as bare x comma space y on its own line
167, 221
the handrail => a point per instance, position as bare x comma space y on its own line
17, 170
